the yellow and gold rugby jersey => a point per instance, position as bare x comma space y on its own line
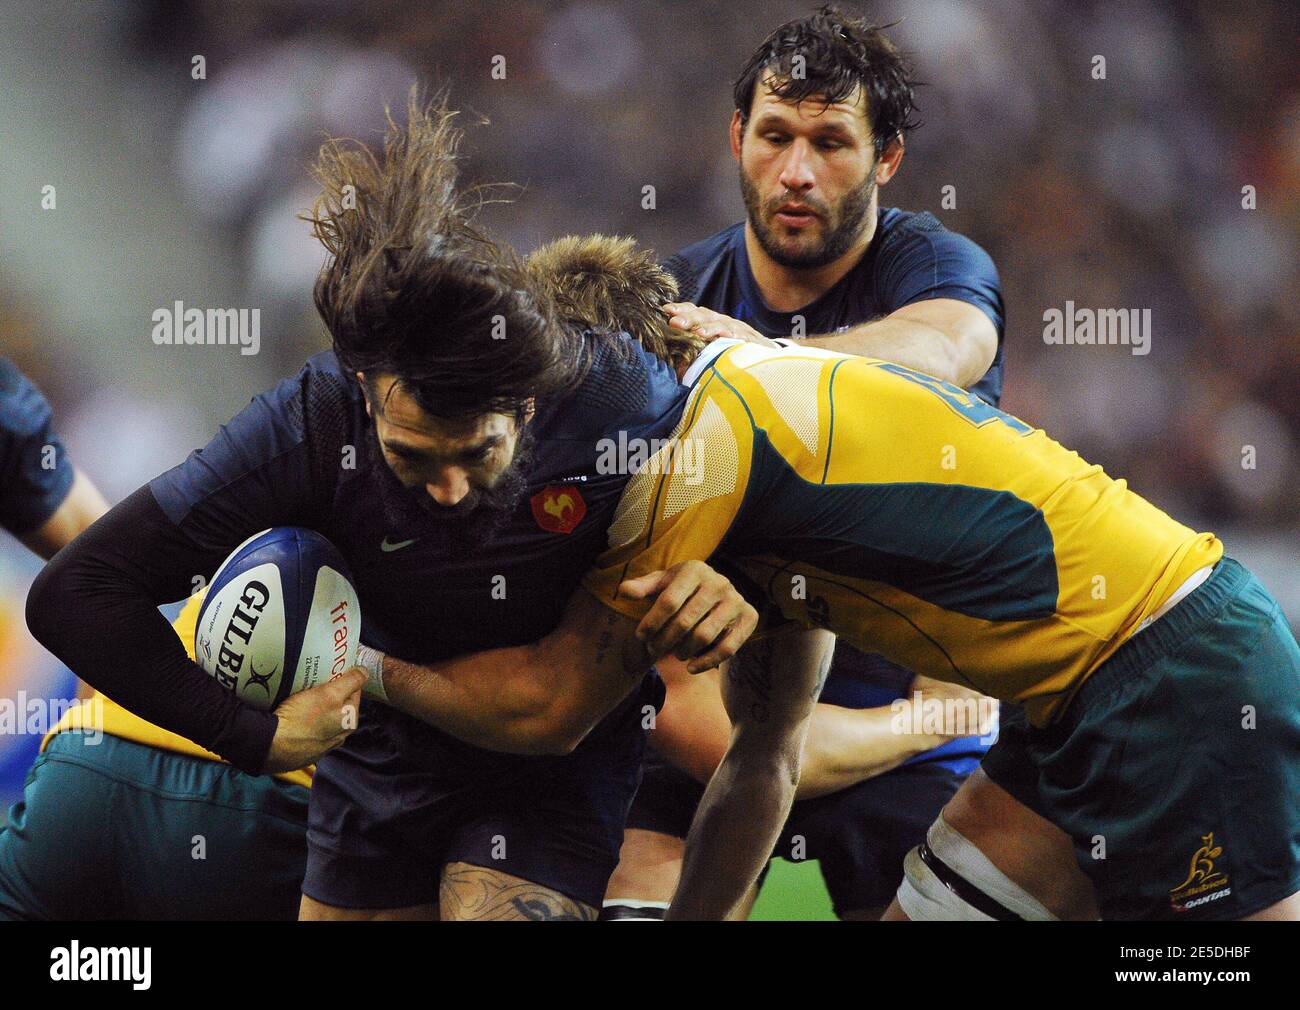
906, 516
100, 713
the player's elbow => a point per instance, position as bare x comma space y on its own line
972, 353
540, 735
565, 726
46, 603
560, 742
523, 721
772, 759
575, 712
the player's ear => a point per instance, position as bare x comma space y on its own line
365, 393
530, 408
737, 133
889, 160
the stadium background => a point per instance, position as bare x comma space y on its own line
1125, 192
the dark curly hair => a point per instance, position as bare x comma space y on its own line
413, 288
840, 53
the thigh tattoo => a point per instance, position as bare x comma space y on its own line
475, 892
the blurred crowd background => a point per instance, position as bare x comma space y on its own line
1122, 192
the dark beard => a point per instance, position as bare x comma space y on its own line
412, 515
852, 213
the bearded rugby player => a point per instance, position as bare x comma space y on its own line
817, 259
908, 517
448, 447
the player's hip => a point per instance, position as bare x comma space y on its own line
383, 822
1187, 738
157, 835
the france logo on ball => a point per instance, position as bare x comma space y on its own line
281, 615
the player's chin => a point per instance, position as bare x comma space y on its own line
801, 244
804, 259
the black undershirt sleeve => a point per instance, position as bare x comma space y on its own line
95, 606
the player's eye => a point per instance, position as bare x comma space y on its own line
404, 464
775, 138
829, 145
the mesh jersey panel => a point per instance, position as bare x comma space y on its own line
688, 281
322, 412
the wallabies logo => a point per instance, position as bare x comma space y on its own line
1204, 882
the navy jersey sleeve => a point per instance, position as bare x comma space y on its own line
257, 471
923, 260
35, 473
95, 605
922, 263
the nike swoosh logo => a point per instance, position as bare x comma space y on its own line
386, 546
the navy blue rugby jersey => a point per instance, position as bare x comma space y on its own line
35, 474
911, 258
278, 463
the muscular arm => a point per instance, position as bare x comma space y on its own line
545, 697
844, 746
770, 690
943, 337
95, 606
540, 698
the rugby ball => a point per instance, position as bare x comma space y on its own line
281, 615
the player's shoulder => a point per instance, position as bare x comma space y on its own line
744, 355
688, 265
321, 395
621, 384
323, 377
795, 380
905, 235
286, 441
897, 229
776, 370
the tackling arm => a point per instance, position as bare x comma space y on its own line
949, 339
545, 697
844, 746
770, 690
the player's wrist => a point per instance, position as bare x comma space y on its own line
372, 661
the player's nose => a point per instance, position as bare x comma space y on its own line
450, 486
796, 168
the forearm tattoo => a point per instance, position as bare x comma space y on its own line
605, 638
750, 670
